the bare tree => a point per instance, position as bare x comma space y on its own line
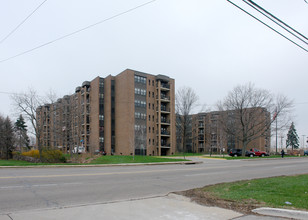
28, 104
248, 110
185, 101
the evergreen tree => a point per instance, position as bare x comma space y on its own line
7, 137
292, 137
21, 129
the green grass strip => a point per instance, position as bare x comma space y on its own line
271, 192
101, 160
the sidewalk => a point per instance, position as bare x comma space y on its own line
170, 207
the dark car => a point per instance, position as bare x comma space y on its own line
235, 152
305, 152
238, 152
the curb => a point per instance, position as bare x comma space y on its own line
107, 165
286, 213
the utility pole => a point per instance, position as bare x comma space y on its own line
281, 142
276, 136
275, 118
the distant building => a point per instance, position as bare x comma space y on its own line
207, 132
130, 113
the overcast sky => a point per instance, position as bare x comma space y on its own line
210, 46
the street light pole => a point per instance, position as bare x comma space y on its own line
304, 140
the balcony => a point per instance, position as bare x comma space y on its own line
164, 109
164, 86
165, 121
201, 139
201, 146
164, 145
165, 133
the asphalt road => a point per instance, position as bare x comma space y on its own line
39, 188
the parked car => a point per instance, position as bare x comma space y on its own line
238, 152
79, 150
259, 153
305, 152
235, 152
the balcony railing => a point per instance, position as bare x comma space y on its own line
164, 86
165, 145
165, 122
164, 109
165, 133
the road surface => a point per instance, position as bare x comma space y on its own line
39, 188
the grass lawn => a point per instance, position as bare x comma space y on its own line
100, 160
129, 159
270, 192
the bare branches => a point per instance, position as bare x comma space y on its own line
249, 112
28, 104
185, 101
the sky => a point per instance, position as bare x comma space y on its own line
211, 46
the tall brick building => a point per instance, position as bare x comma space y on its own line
208, 134
132, 112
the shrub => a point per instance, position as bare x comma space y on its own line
32, 153
53, 156
48, 155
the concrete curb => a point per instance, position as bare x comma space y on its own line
107, 165
286, 213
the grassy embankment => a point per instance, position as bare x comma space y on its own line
100, 160
279, 192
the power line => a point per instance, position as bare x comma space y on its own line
267, 26
273, 18
8, 93
23, 21
77, 31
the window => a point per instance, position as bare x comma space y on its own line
149, 94
140, 79
140, 91
149, 117
149, 82
139, 103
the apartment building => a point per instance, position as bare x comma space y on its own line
207, 132
130, 113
